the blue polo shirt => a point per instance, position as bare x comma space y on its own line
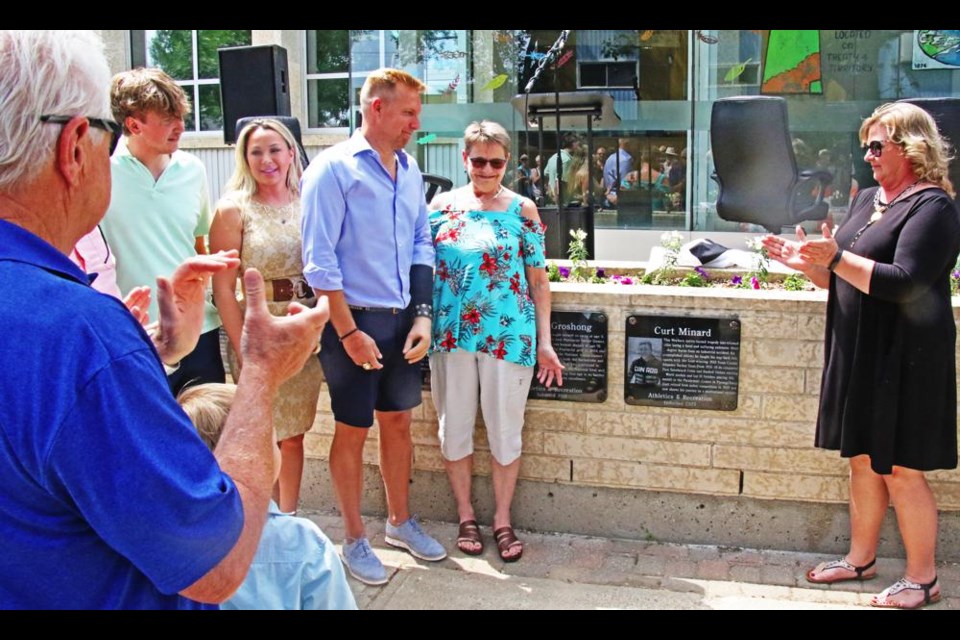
362, 231
108, 499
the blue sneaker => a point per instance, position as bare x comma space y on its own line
362, 563
411, 537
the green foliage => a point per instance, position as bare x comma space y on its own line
761, 270
955, 279
172, 51
553, 272
795, 282
578, 254
693, 279
671, 241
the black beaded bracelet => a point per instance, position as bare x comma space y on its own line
349, 333
423, 310
836, 260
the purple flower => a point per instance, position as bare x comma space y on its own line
703, 272
601, 273
626, 280
956, 275
564, 272
754, 282
737, 280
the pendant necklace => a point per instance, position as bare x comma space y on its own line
493, 199
879, 208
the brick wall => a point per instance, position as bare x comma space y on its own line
761, 450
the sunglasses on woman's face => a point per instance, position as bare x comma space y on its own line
875, 147
480, 163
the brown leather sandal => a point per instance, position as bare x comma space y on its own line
506, 540
469, 532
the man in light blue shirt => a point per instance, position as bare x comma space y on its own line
367, 246
615, 169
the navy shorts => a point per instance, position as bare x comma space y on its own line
355, 393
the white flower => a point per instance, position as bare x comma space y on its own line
671, 240
578, 234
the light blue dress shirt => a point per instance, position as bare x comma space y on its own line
625, 160
362, 230
296, 567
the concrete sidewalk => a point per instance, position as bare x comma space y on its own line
561, 571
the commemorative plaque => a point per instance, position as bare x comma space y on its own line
686, 362
580, 340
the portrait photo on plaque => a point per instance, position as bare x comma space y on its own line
682, 361
646, 362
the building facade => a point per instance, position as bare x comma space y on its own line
653, 90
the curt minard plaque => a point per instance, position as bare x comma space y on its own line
681, 361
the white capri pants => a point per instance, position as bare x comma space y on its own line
459, 381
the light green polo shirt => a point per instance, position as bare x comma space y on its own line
550, 169
152, 225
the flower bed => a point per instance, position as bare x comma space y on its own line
668, 273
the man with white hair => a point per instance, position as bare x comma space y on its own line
108, 499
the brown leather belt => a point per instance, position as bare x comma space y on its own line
286, 289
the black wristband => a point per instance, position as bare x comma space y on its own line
349, 333
421, 284
423, 310
836, 260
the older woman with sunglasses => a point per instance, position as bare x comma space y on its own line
491, 326
888, 398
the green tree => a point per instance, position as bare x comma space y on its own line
172, 51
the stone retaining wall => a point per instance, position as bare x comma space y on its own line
762, 450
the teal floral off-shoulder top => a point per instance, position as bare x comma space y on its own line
481, 301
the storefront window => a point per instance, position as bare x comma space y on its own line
661, 85
191, 58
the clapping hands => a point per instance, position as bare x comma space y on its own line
802, 254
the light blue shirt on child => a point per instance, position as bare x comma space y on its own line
296, 567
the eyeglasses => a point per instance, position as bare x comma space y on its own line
114, 129
480, 163
875, 147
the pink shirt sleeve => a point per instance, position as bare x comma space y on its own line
93, 255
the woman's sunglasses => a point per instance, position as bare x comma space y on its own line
875, 147
480, 163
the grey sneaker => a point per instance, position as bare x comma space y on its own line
362, 563
411, 537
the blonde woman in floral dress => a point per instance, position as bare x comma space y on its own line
260, 216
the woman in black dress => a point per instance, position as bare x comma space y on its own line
888, 398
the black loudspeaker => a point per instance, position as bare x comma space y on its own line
253, 82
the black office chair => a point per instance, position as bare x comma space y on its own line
434, 184
946, 113
755, 166
289, 122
